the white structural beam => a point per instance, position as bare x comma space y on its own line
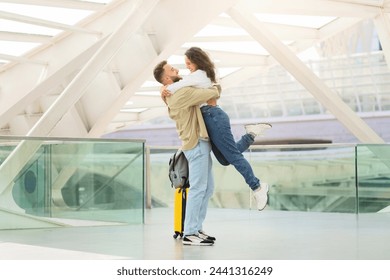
123, 119
167, 41
374, 3
24, 37
74, 91
69, 4
231, 59
382, 24
45, 23
283, 31
289, 32
22, 59
137, 101
52, 81
337, 26
152, 113
354, 8
241, 76
305, 76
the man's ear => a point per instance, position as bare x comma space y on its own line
165, 80
168, 80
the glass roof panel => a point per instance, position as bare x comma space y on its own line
248, 47
20, 27
56, 14
296, 20
72, 16
13, 22
16, 48
212, 30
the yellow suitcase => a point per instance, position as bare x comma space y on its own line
179, 211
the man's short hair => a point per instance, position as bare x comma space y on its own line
159, 71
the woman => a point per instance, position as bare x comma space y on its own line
226, 150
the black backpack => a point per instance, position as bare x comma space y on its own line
178, 170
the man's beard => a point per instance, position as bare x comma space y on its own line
176, 78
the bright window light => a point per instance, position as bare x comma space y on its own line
296, 20
16, 48
214, 30
39, 12
235, 47
20, 27
61, 15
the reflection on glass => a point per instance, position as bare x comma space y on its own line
317, 178
373, 178
68, 180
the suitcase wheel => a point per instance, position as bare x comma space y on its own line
177, 234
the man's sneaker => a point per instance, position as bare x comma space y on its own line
195, 240
205, 236
261, 196
256, 129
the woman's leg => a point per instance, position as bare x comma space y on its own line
242, 145
218, 127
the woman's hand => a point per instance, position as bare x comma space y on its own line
212, 102
164, 92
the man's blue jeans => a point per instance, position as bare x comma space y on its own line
224, 147
201, 186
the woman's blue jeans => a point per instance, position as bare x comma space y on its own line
225, 148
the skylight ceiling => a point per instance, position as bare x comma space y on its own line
24, 25
45, 39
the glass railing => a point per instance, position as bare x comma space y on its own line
373, 178
50, 182
315, 178
341, 178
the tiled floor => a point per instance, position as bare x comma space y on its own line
241, 234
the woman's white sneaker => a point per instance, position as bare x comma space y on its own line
261, 196
257, 129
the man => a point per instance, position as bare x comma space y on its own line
225, 148
183, 108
